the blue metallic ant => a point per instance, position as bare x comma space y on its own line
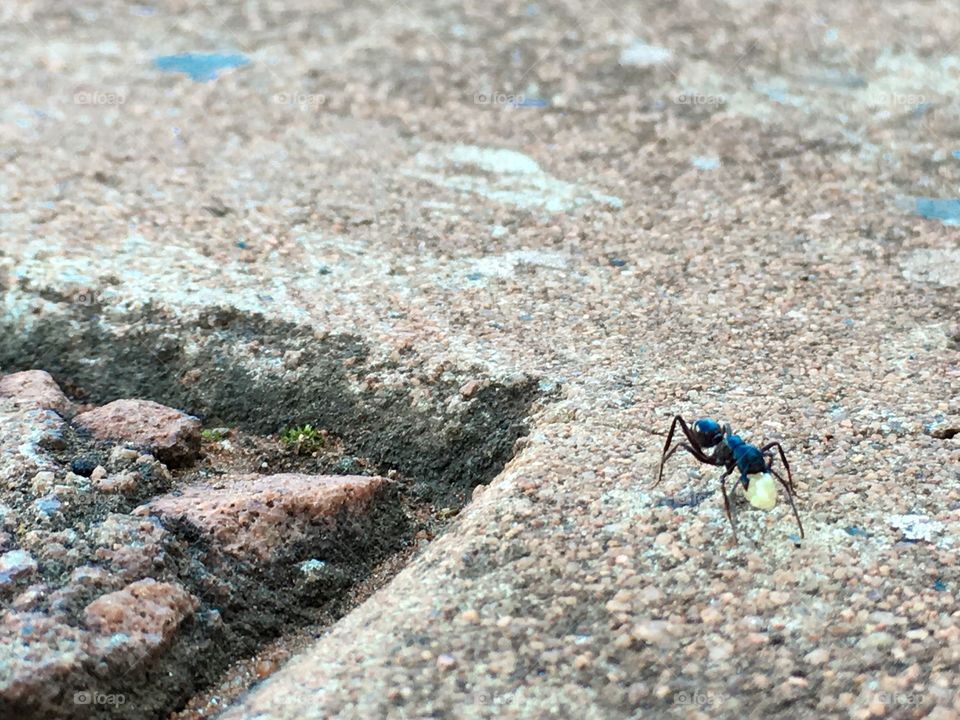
731, 452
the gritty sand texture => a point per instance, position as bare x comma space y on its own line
740, 210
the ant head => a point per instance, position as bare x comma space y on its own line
708, 432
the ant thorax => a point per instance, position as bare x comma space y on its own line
722, 454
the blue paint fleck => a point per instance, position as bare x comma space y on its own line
939, 585
531, 102
705, 162
774, 93
909, 541
242, 244
795, 539
474, 276
855, 531
618, 262
201, 67
943, 209
956, 154
779, 94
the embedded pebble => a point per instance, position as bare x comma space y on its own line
123, 482
16, 564
817, 657
83, 466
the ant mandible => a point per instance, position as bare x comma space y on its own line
732, 453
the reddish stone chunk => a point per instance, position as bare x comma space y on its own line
34, 390
251, 515
172, 436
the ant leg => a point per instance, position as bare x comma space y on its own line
783, 459
696, 454
726, 503
694, 448
665, 455
790, 498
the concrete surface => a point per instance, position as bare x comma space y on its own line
741, 210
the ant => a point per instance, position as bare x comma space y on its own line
732, 453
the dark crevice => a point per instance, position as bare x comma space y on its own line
144, 355
260, 377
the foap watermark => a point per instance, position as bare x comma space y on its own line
699, 99
87, 297
499, 98
895, 99
92, 697
901, 699
480, 699
696, 698
305, 101
98, 97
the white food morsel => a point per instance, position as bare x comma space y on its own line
762, 491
